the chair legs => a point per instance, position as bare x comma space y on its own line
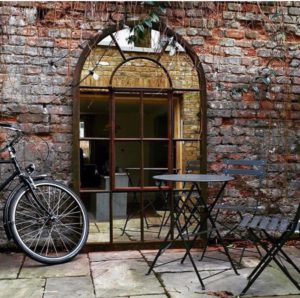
234, 230
271, 254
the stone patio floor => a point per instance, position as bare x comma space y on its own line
122, 274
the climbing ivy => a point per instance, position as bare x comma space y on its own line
138, 30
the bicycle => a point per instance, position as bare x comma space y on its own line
45, 218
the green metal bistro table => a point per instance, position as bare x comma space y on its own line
196, 206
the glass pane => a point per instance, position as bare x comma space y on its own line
94, 159
156, 117
94, 116
126, 222
96, 204
128, 160
156, 214
155, 160
127, 118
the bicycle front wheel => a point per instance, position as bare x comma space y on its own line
50, 223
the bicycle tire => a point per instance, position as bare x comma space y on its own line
52, 237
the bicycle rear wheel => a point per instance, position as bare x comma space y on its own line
52, 231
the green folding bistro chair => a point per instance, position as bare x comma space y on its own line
276, 231
242, 169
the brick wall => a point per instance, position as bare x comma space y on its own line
248, 114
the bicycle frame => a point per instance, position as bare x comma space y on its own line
26, 180
16, 173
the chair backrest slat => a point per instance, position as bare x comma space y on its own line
258, 173
255, 167
245, 162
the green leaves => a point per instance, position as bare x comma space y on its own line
266, 80
219, 87
255, 88
139, 29
147, 23
239, 90
153, 17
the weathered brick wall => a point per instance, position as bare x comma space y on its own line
247, 117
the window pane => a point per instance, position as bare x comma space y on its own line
94, 116
126, 206
128, 161
94, 157
98, 213
127, 118
156, 215
156, 118
155, 160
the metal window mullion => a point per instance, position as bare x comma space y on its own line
112, 157
118, 46
170, 132
162, 51
142, 213
170, 153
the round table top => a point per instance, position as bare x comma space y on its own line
194, 177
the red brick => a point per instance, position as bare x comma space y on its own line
296, 80
266, 105
117, 16
249, 7
179, 13
296, 106
237, 34
250, 52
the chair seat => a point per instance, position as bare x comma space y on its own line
272, 224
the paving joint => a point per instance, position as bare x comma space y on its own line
91, 274
156, 275
22, 264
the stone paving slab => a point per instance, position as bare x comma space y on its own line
123, 274
271, 282
93, 228
22, 288
294, 254
98, 237
114, 255
69, 287
281, 296
124, 278
176, 266
79, 266
10, 265
150, 296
